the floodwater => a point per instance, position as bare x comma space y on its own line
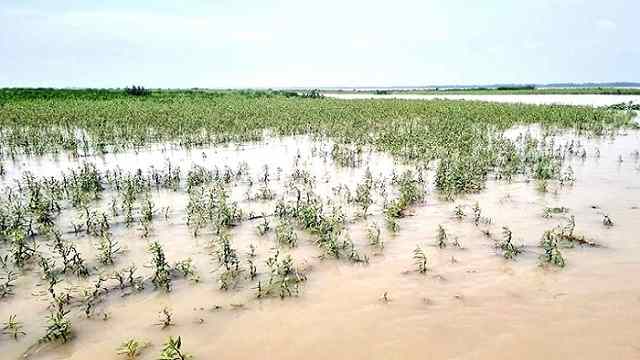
541, 99
472, 304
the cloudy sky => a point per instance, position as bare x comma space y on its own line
264, 43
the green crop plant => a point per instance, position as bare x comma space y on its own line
477, 214
7, 283
374, 235
264, 226
420, 259
108, 248
441, 237
284, 278
285, 234
58, 326
161, 269
13, 327
506, 246
172, 350
459, 212
166, 318
552, 254
363, 194
131, 348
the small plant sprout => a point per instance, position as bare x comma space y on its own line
12, 327
477, 214
166, 318
606, 220
441, 237
131, 348
459, 212
420, 259
253, 270
252, 251
264, 226
172, 350
456, 243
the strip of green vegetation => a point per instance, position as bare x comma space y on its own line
466, 136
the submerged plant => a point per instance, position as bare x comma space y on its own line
108, 248
285, 235
131, 348
12, 327
166, 318
509, 250
172, 350
284, 278
421, 260
375, 237
363, 194
58, 327
7, 283
477, 214
263, 227
161, 269
441, 237
552, 254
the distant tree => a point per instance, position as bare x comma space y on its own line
137, 91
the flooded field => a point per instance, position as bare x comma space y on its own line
368, 292
241, 225
542, 99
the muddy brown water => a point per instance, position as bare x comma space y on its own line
479, 306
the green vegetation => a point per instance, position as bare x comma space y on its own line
173, 350
131, 348
465, 136
13, 327
420, 260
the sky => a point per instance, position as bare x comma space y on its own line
320, 43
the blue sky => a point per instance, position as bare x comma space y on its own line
284, 43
